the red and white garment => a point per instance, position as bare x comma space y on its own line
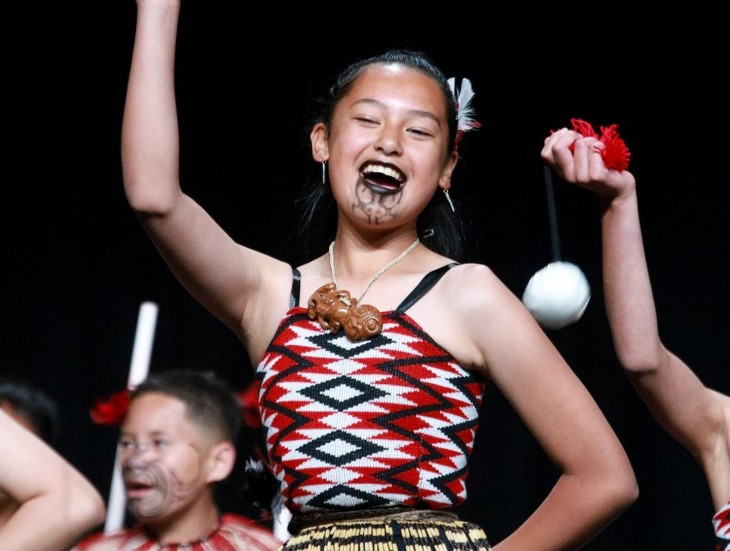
235, 533
373, 423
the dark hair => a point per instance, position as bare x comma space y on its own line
34, 405
208, 400
439, 228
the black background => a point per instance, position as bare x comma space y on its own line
76, 265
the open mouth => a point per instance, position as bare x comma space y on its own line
137, 489
137, 486
384, 179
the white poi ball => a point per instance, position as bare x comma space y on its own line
557, 295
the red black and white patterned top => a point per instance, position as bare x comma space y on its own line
374, 423
235, 533
721, 523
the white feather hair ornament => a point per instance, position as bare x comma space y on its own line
255, 465
465, 120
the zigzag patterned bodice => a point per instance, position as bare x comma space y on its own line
374, 423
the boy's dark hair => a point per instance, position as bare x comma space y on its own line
34, 405
208, 400
440, 229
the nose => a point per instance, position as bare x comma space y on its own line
134, 453
389, 140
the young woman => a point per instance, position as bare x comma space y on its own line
373, 355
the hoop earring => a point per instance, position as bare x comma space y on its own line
324, 173
448, 198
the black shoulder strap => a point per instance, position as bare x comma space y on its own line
428, 281
297, 278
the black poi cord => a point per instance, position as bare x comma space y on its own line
552, 213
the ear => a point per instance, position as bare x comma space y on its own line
221, 459
318, 138
445, 179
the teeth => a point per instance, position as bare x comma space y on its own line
385, 170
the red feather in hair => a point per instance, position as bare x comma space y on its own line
111, 411
249, 398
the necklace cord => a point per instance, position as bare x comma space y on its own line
380, 272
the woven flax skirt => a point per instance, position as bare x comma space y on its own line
415, 530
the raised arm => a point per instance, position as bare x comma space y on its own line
221, 274
57, 504
693, 414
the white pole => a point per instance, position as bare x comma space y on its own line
141, 353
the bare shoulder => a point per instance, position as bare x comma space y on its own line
268, 306
468, 311
474, 289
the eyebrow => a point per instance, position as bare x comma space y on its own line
411, 112
154, 433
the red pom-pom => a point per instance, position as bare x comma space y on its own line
615, 154
112, 411
584, 128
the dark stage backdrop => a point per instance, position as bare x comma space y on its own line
76, 265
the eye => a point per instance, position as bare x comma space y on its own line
366, 120
420, 132
160, 443
125, 444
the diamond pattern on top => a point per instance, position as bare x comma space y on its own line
391, 420
340, 393
342, 496
340, 448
